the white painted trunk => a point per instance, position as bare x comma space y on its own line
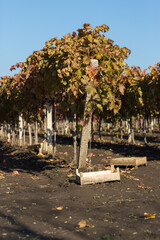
36, 132
20, 130
30, 133
49, 130
2, 131
66, 125
54, 130
8, 133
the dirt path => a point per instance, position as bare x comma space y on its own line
39, 198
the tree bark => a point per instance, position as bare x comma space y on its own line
74, 135
44, 150
85, 135
99, 128
24, 133
121, 129
131, 132
144, 130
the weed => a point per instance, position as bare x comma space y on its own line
106, 237
148, 232
96, 197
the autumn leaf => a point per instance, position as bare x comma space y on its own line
15, 172
82, 224
70, 175
121, 89
149, 215
40, 155
59, 208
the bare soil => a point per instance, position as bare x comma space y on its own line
40, 199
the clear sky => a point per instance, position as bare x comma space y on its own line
25, 26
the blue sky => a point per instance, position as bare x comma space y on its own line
26, 25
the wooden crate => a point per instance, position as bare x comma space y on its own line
98, 176
129, 161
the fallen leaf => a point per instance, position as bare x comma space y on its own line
59, 208
15, 172
1, 176
43, 186
40, 155
70, 175
149, 215
82, 224
91, 226
65, 153
51, 160
143, 187
35, 178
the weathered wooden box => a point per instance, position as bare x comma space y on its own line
129, 161
97, 176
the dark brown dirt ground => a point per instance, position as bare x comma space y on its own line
44, 202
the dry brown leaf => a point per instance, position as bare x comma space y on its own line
129, 177
144, 187
35, 178
43, 186
1, 176
65, 153
82, 224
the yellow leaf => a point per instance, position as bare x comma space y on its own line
149, 215
59, 208
40, 155
82, 224
70, 175
51, 160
